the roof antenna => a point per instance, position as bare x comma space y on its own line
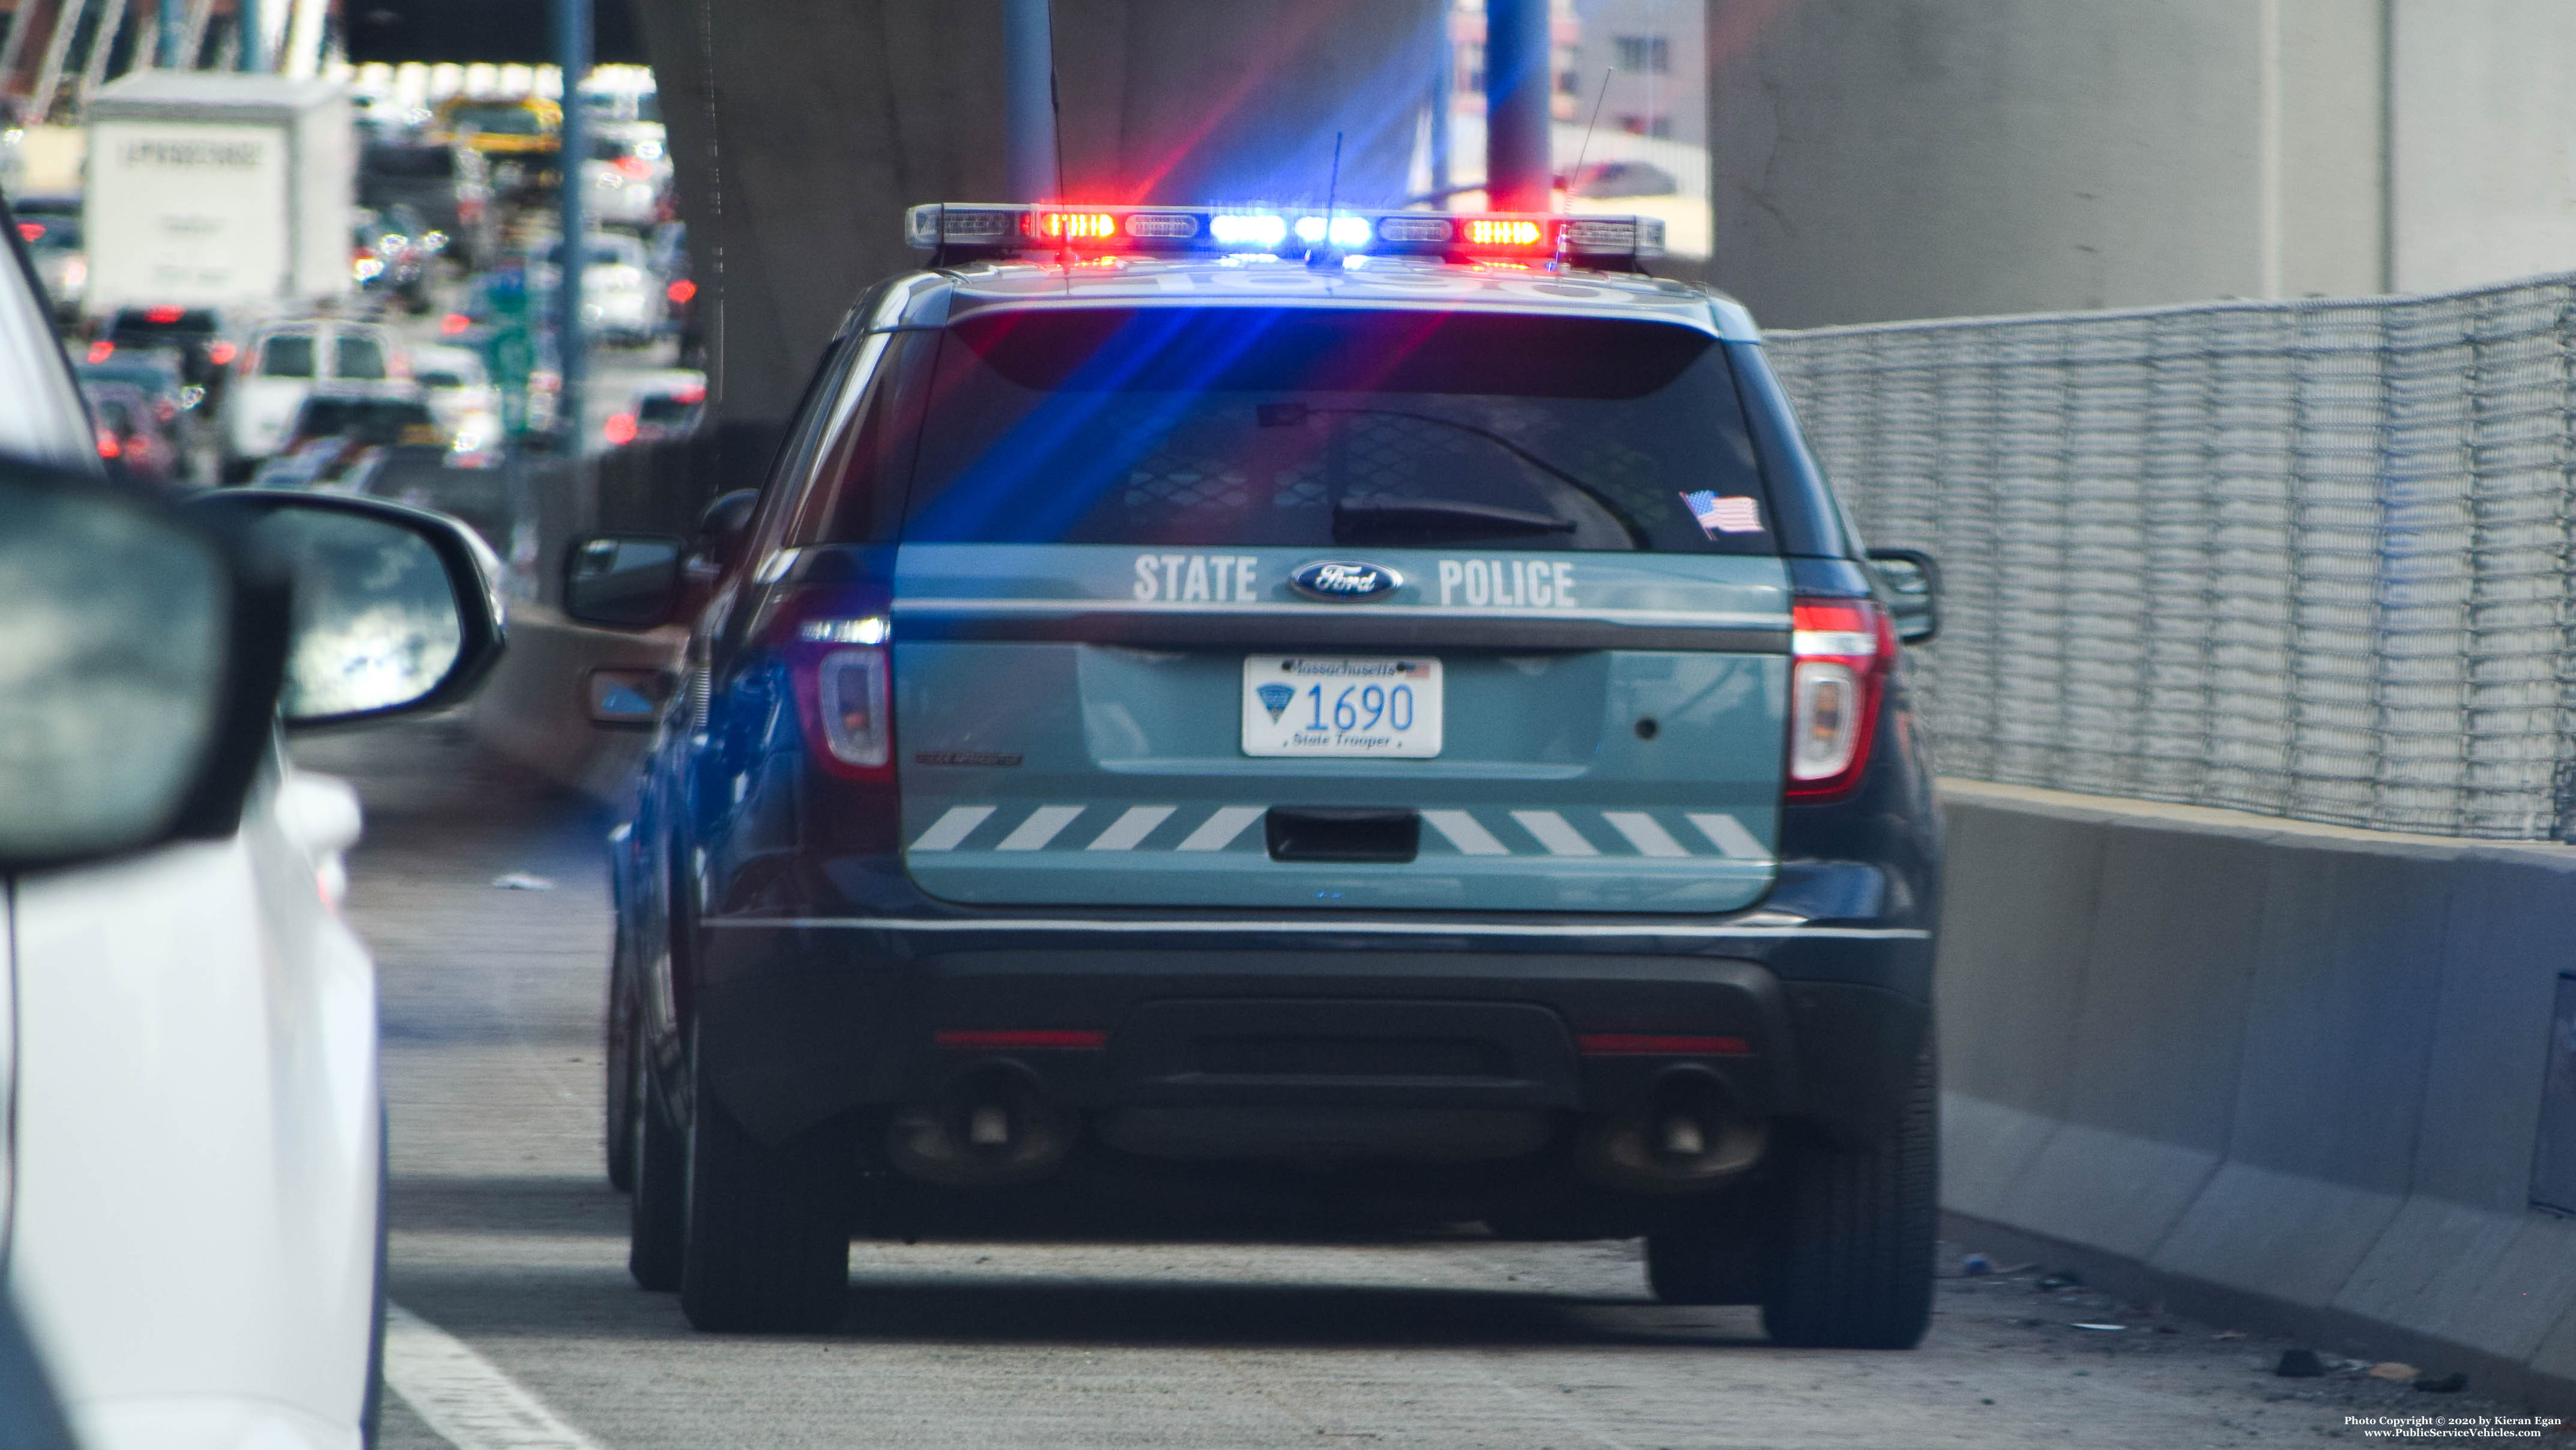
1055, 115
1323, 255
1565, 230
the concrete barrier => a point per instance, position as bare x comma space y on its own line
534, 709
2284, 1074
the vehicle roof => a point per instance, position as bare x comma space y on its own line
1363, 282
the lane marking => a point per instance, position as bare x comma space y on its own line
1127, 830
1323, 928
1466, 833
1728, 835
1219, 830
465, 1397
1645, 833
1040, 828
956, 825
1555, 834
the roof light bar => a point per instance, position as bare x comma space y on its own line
960, 231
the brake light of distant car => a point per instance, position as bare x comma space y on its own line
454, 323
31, 231
163, 316
1843, 652
635, 166
108, 447
101, 350
619, 430
689, 395
681, 290
221, 353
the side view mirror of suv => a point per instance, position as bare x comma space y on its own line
1913, 585
624, 581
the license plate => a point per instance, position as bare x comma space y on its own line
1341, 705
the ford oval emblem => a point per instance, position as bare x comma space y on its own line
1342, 581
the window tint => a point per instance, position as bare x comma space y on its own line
287, 356
359, 359
855, 495
438, 380
1313, 428
371, 420
501, 118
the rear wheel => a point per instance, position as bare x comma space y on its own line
657, 1215
621, 1082
768, 1232
1851, 1259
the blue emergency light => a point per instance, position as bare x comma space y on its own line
961, 231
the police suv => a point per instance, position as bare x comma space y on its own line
1236, 721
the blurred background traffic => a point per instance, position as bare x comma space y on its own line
365, 293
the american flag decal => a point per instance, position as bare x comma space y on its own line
1734, 514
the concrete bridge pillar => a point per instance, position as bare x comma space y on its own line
802, 128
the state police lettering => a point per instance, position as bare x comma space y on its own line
1215, 578
1510, 584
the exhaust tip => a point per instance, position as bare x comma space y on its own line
993, 1126
1688, 1134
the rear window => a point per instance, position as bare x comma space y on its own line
51, 233
664, 408
287, 357
499, 118
1314, 428
411, 163
370, 420
359, 359
171, 322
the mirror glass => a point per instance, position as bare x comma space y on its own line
622, 582
377, 624
1912, 590
112, 660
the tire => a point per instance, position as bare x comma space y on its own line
1851, 1265
769, 1235
657, 1214
623, 1086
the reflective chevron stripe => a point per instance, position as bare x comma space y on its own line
1530, 834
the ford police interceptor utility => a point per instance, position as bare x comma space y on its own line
1230, 719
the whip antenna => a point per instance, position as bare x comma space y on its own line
1574, 178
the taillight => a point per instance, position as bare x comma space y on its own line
844, 686
108, 447
1843, 651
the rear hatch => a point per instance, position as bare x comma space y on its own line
1269, 608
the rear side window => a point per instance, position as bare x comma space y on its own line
290, 356
1310, 427
359, 359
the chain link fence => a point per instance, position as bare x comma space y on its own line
2308, 559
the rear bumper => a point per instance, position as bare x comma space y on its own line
799, 1024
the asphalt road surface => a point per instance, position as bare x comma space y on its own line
521, 1328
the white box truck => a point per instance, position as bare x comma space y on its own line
214, 189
